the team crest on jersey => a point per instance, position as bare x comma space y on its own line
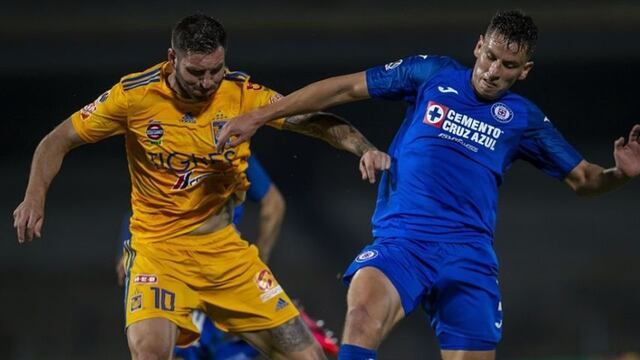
435, 114
136, 302
188, 118
155, 132
501, 112
145, 279
367, 255
393, 65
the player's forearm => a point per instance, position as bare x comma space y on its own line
45, 165
317, 96
595, 180
332, 129
47, 161
272, 209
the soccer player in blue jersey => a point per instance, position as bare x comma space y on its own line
435, 216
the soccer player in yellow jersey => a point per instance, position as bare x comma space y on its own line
184, 253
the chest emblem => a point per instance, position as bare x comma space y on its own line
155, 132
501, 112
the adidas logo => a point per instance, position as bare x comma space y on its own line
281, 304
188, 118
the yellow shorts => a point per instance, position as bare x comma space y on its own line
219, 274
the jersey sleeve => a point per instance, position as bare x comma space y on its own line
543, 146
259, 179
105, 117
269, 97
401, 79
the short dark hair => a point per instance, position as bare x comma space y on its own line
198, 33
516, 28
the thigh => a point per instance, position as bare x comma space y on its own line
409, 278
153, 290
245, 296
155, 336
465, 305
291, 340
374, 308
468, 355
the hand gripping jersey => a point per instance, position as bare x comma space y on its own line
178, 179
451, 151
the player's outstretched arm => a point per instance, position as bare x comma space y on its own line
314, 97
590, 179
272, 209
47, 159
341, 134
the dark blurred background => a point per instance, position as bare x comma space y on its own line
569, 266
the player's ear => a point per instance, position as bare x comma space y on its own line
527, 67
476, 50
171, 57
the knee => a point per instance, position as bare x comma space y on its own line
362, 323
150, 348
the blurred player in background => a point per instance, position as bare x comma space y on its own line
184, 253
212, 343
435, 216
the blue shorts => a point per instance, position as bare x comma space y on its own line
456, 284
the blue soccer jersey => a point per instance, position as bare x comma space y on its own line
452, 149
260, 184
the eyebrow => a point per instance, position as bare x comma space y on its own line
506, 62
197, 69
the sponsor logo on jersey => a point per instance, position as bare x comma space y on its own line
90, 108
187, 180
264, 280
155, 132
498, 324
188, 118
461, 128
254, 86
219, 115
145, 279
546, 119
182, 163
435, 114
281, 304
501, 113
87, 110
447, 89
393, 65
266, 283
136, 302
367, 255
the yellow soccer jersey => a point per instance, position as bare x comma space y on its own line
178, 179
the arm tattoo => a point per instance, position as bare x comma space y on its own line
292, 336
331, 128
